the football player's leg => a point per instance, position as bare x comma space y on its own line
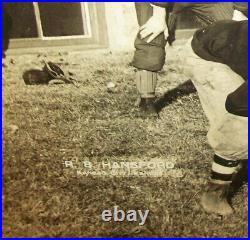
148, 59
229, 139
228, 135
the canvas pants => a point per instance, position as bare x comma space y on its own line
228, 133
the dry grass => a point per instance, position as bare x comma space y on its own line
41, 198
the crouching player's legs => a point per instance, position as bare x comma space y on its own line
149, 58
228, 134
229, 139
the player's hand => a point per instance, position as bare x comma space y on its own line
153, 27
239, 16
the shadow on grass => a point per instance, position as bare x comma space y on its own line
173, 95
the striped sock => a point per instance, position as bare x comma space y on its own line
223, 169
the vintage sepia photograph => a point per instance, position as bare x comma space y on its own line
124, 119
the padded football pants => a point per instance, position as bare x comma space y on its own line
228, 133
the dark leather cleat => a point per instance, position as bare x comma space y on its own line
214, 199
147, 107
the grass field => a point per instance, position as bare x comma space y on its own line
46, 125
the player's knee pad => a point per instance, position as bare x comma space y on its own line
149, 56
